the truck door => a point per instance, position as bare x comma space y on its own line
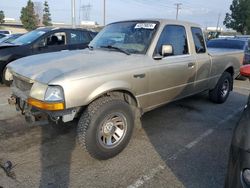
173, 76
203, 60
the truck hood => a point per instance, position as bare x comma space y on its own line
76, 64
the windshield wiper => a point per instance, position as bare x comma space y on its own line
116, 48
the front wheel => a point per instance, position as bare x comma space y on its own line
105, 127
222, 89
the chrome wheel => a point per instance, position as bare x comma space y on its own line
112, 130
225, 88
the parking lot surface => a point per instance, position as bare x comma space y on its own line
182, 144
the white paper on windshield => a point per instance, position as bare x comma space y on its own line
145, 26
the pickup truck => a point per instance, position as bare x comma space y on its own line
131, 67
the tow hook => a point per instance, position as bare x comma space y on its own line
7, 166
12, 100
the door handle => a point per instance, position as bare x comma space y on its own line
139, 75
191, 65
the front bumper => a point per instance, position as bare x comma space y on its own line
37, 116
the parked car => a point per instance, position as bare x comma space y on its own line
42, 40
5, 32
238, 175
131, 66
2, 35
10, 38
241, 43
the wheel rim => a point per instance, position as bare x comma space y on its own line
112, 130
225, 88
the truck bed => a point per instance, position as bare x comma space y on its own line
223, 51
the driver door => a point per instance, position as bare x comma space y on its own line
173, 76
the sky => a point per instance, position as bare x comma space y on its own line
203, 12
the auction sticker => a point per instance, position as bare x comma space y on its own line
145, 26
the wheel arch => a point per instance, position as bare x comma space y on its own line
230, 70
117, 89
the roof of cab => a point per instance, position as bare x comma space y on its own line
46, 29
164, 21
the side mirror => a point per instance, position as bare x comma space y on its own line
167, 50
245, 71
40, 44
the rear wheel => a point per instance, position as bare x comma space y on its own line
222, 89
105, 127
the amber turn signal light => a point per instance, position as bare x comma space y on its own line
51, 106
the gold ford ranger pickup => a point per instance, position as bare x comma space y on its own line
130, 67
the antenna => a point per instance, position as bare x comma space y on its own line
178, 7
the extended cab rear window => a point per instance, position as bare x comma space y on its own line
176, 36
199, 41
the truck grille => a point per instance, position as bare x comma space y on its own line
21, 84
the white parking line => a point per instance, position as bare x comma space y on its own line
4, 104
140, 181
239, 87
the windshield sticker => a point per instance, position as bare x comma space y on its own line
145, 26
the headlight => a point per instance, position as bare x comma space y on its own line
8, 75
46, 97
47, 93
54, 93
246, 176
38, 91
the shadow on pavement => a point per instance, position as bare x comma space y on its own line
180, 123
56, 149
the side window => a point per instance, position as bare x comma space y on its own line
56, 39
79, 37
198, 40
176, 36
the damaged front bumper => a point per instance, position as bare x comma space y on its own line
38, 116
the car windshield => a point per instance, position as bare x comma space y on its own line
129, 37
232, 44
2, 36
3, 39
28, 37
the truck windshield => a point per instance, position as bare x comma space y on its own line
28, 37
131, 37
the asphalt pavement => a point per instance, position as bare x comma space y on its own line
182, 144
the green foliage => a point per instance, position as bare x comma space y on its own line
46, 15
239, 18
28, 17
2, 16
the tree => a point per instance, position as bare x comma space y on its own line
239, 18
46, 15
2, 16
28, 16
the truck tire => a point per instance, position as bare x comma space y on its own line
222, 89
4, 80
105, 127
